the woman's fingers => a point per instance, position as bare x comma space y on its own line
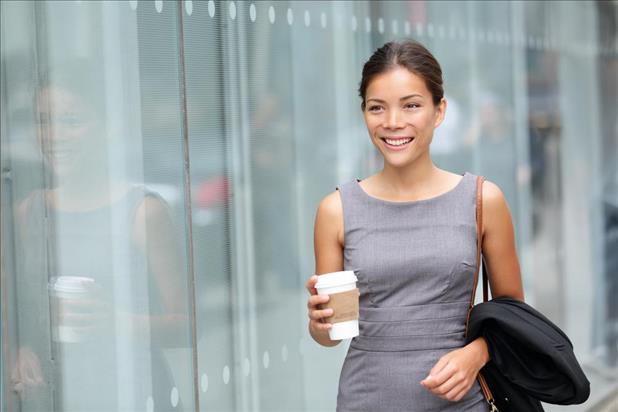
319, 314
319, 325
316, 300
310, 285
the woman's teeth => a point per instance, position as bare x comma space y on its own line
397, 142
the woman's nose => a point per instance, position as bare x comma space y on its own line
392, 120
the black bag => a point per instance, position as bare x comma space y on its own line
506, 396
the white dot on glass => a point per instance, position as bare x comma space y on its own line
307, 18
271, 14
266, 359
406, 28
441, 31
252, 12
232, 10
367, 24
246, 367
354, 23
394, 27
419, 29
133, 4
381, 25
284, 353
159, 5
323, 19
149, 404
211, 8
174, 397
226, 374
189, 7
290, 17
204, 382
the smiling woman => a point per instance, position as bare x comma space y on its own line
410, 237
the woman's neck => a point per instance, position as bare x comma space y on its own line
85, 194
418, 175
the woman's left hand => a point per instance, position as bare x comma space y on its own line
454, 374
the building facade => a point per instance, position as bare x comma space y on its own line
162, 163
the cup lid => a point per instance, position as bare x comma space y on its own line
335, 279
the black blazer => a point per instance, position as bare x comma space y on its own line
530, 352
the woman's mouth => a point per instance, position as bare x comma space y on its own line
397, 143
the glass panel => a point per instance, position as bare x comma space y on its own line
101, 299
164, 159
210, 140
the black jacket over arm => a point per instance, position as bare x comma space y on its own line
534, 356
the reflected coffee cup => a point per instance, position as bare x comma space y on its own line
341, 287
65, 290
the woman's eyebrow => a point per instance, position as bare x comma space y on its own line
401, 99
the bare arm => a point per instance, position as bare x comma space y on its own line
153, 233
328, 248
499, 245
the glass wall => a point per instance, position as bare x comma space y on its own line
162, 163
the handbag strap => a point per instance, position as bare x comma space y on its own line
479, 245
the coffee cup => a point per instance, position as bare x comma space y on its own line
343, 293
65, 290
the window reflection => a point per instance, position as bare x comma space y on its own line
111, 263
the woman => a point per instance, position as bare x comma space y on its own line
105, 250
409, 234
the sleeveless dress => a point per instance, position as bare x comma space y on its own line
109, 373
415, 264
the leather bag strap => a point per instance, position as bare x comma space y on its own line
479, 246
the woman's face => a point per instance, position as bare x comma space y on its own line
398, 109
65, 125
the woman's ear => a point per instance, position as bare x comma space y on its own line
440, 112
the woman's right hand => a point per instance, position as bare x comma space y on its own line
316, 314
26, 374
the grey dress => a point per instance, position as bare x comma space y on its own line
109, 373
415, 265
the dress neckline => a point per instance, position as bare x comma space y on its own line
410, 202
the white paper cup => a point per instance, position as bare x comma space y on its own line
332, 284
63, 289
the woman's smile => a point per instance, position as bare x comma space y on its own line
395, 144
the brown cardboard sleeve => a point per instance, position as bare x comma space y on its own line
344, 305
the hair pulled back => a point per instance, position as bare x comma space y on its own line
409, 54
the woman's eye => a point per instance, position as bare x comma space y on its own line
413, 105
371, 109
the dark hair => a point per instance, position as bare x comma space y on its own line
409, 54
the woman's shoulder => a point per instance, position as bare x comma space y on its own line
331, 205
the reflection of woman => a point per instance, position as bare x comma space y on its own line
409, 233
119, 238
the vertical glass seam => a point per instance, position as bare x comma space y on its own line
187, 199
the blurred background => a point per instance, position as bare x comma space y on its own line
162, 163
